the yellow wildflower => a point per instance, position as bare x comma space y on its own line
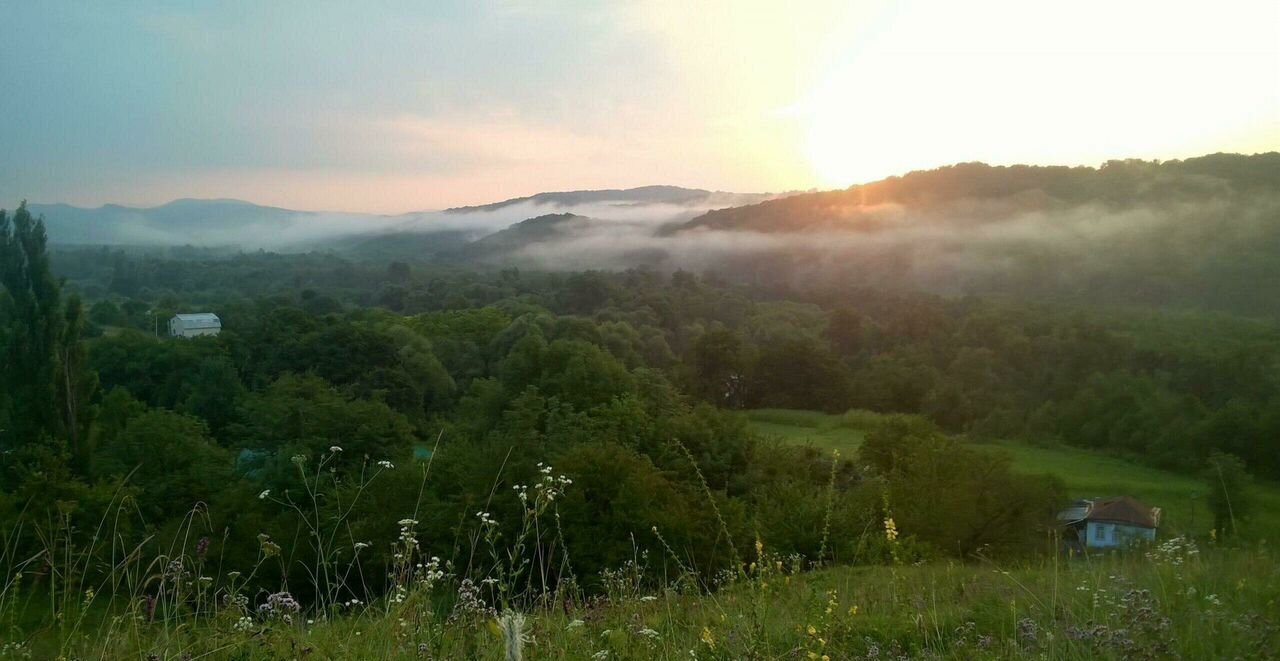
708, 638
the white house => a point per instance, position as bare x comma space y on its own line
1111, 522
194, 325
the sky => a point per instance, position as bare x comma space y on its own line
389, 107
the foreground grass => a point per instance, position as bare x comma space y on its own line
1085, 473
1169, 602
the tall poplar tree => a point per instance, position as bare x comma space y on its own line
42, 373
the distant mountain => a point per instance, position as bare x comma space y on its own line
217, 222
244, 225
644, 195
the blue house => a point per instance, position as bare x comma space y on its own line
1106, 523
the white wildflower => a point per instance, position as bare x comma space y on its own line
513, 634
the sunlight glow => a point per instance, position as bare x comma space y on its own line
903, 99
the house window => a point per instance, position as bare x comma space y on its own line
1100, 533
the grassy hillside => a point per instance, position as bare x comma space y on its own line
1085, 473
1177, 602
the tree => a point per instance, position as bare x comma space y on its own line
1230, 498
398, 272
845, 331
106, 313
307, 415
171, 457
798, 372
719, 367
32, 304
76, 384
955, 498
43, 358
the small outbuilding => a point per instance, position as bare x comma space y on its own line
1115, 522
194, 325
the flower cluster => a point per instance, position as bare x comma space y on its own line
268, 547
470, 604
549, 486
386, 464
890, 529
429, 573
202, 547
406, 534
281, 605
1174, 551
486, 520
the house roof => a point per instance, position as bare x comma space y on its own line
1123, 509
199, 320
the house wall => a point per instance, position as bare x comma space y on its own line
1102, 535
178, 329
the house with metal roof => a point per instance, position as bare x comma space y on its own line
194, 325
1115, 522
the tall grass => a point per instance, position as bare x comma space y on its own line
516, 598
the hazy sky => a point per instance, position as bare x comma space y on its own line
396, 106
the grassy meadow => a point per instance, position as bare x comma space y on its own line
1176, 601
1085, 473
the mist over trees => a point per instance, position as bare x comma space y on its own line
1198, 233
